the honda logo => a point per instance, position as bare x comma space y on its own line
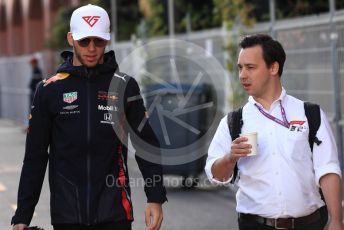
107, 116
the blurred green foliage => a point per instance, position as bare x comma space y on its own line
206, 14
149, 18
58, 39
128, 17
295, 8
235, 15
197, 14
200, 14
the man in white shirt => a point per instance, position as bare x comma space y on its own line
278, 187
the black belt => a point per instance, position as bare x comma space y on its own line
282, 223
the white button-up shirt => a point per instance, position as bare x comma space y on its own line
282, 179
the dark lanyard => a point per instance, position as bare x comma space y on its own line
284, 123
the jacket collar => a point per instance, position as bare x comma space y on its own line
108, 67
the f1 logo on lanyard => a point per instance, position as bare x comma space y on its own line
297, 126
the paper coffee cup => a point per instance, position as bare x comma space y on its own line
252, 140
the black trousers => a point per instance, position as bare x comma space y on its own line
123, 225
246, 225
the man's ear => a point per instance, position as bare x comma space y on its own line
70, 38
274, 68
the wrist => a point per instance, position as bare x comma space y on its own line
336, 220
230, 160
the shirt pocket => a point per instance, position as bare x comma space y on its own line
297, 145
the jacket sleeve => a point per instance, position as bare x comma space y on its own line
35, 160
145, 143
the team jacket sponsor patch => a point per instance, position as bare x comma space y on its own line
103, 95
70, 97
107, 119
108, 108
70, 107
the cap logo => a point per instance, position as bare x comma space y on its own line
91, 20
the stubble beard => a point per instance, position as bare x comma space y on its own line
84, 63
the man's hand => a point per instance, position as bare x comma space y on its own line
153, 216
239, 149
223, 167
19, 226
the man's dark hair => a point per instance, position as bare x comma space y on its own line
272, 49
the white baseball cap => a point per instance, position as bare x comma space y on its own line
90, 21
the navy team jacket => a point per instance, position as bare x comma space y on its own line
79, 124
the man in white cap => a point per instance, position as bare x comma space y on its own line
79, 123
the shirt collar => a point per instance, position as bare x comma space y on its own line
281, 98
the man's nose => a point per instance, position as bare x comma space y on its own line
91, 46
242, 74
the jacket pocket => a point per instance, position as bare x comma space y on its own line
110, 203
65, 201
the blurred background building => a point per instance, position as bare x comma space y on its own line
26, 25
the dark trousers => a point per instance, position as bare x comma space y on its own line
123, 225
246, 225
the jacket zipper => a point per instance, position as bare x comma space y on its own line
88, 149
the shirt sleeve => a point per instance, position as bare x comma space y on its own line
219, 146
325, 155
